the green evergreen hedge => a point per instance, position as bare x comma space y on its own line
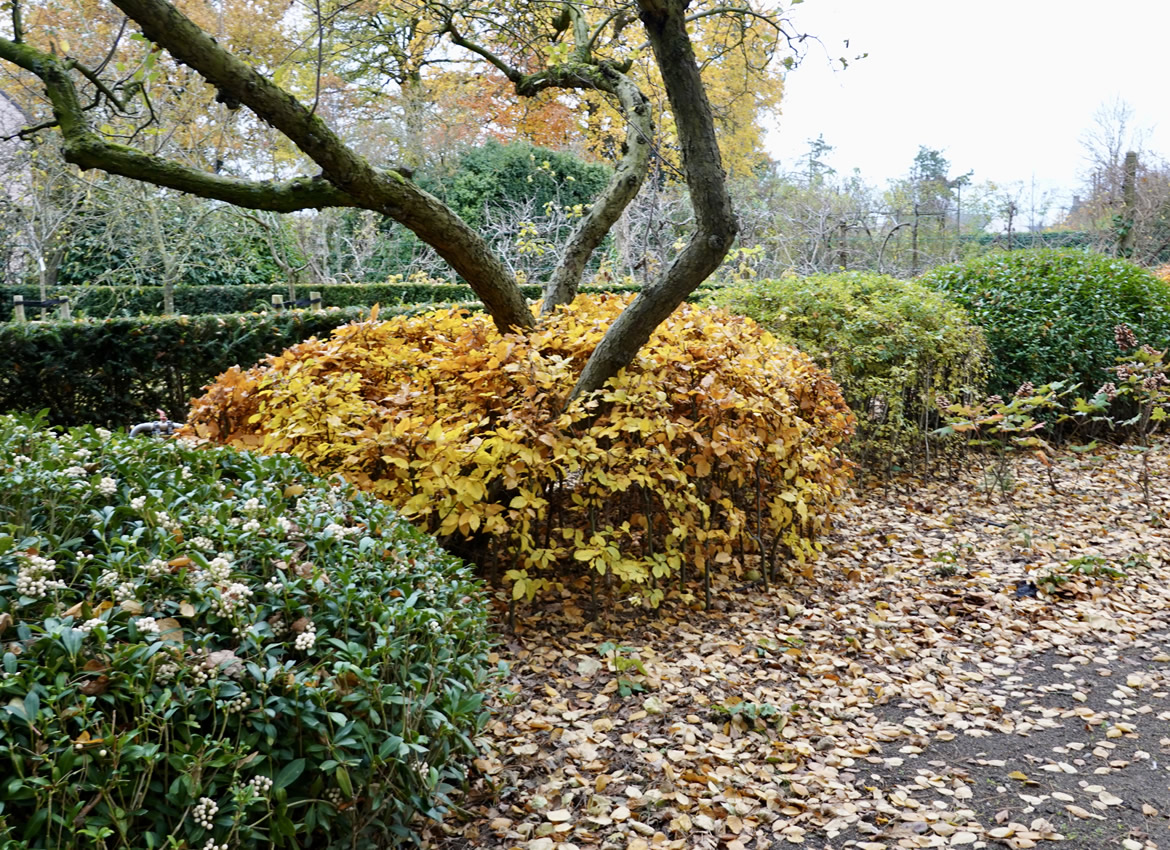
107, 302
116, 372
893, 346
1049, 315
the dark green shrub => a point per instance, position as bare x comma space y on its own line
1049, 315
497, 175
118, 371
206, 647
892, 345
110, 302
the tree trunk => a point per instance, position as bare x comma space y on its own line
715, 224
608, 207
1128, 233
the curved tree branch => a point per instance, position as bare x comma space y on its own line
87, 149
607, 207
715, 222
583, 72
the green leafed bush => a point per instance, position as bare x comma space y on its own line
892, 345
110, 302
1049, 315
117, 372
205, 647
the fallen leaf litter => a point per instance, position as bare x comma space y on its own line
945, 681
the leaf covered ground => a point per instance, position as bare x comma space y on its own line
966, 669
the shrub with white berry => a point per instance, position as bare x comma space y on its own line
203, 648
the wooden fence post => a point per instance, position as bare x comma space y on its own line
278, 302
315, 300
66, 311
18, 308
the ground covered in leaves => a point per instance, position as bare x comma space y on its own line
966, 670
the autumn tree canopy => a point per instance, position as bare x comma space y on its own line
179, 97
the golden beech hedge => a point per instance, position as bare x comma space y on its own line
717, 444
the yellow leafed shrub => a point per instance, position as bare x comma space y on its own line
718, 442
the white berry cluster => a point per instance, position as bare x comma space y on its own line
251, 525
306, 639
103, 434
333, 795
261, 785
91, 624
108, 486
156, 567
278, 625
166, 671
138, 503
236, 706
75, 472
125, 591
168, 522
230, 598
211, 845
220, 569
147, 625
203, 543
33, 577
204, 812
203, 672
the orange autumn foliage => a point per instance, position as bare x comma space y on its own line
717, 443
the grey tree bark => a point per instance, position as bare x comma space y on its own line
715, 223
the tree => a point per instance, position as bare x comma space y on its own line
43, 197
1126, 188
818, 169
540, 48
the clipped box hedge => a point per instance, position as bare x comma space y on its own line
107, 302
117, 372
1050, 315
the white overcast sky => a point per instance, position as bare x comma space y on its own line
1004, 87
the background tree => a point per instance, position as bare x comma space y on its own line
541, 49
1139, 229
